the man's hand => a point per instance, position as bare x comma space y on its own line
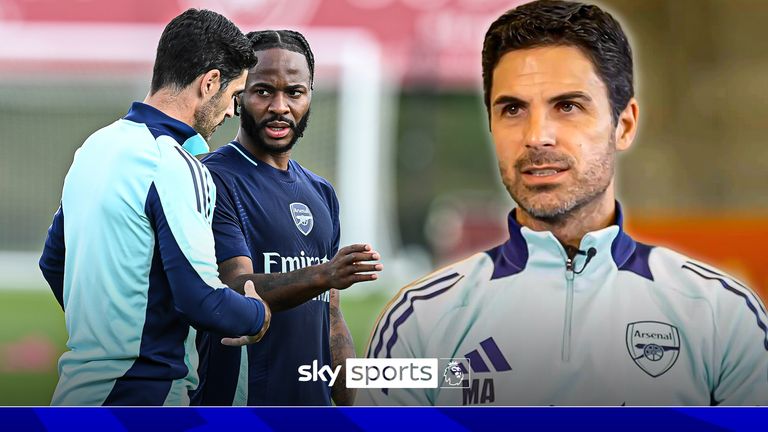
352, 264
250, 291
283, 291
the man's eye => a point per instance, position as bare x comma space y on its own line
262, 92
566, 107
511, 110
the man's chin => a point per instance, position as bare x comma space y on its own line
277, 146
543, 205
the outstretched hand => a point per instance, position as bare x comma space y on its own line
250, 291
352, 264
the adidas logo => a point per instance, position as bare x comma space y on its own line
488, 354
487, 358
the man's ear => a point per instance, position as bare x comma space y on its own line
210, 83
626, 127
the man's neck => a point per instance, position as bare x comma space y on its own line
279, 160
177, 105
572, 227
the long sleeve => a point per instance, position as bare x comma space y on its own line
742, 338
52, 261
227, 229
180, 206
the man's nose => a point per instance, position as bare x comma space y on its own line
539, 130
279, 104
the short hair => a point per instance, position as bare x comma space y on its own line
196, 42
555, 22
285, 39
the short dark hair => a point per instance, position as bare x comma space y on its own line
285, 39
196, 42
556, 22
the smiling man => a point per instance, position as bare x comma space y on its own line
570, 310
275, 216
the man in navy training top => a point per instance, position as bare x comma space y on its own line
275, 216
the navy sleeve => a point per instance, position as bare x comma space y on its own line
220, 310
52, 261
336, 224
227, 229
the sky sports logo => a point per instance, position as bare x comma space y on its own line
393, 373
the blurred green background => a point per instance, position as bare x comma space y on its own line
33, 335
32, 331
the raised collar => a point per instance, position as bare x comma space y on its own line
611, 243
160, 124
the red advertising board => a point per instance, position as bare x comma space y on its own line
435, 41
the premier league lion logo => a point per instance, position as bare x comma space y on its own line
452, 374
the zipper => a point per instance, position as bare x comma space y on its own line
569, 275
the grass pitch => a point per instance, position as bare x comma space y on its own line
33, 336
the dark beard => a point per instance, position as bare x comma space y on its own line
588, 186
253, 131
204, 118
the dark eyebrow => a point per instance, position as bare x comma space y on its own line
263, 85
271, 87
504, 100
570, 96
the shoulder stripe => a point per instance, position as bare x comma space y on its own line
745, 289
191, 171
195, 180
383, 321
413, 285
740, 293
408, 312
386, 310
430, 284
201, 184
207, 201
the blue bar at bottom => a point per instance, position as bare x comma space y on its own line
384, 419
